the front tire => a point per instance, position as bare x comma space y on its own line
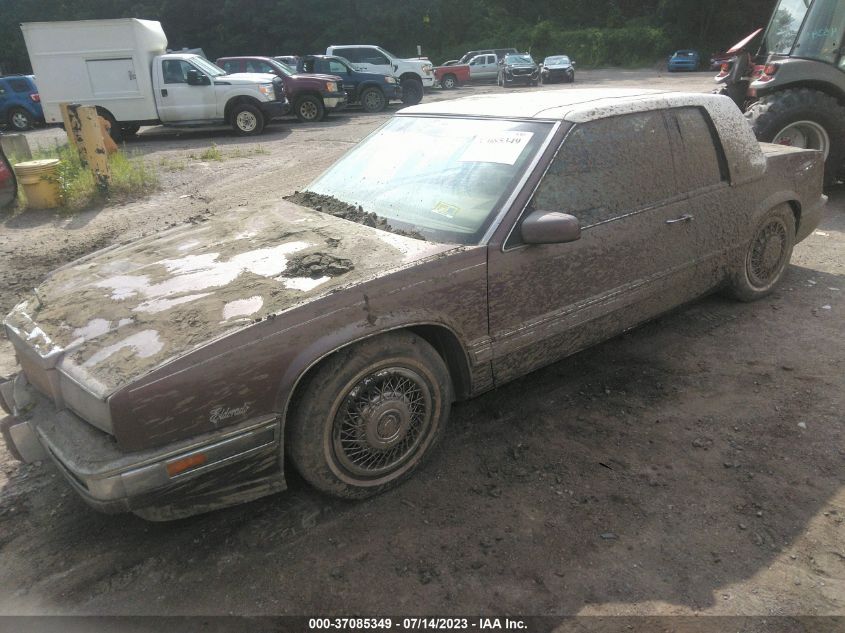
373, 100
369, 415
801, 117
412, 91
766, 256
20, 120
309, 109
247, 120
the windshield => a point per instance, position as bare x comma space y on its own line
519, 59
821, 35
283, 67
207, 67
442, 178
561, 60
783, 28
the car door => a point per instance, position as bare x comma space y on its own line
701, 170
180, 102
631, 262
490, 68
480, 68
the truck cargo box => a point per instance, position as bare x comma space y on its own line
96, 62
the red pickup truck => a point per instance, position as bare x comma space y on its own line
448, 77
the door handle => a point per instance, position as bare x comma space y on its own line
686, 217
164, 92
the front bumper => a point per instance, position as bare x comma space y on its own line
232, 464
334, 100
275, 109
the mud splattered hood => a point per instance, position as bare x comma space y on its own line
117, 314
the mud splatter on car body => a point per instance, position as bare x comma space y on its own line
136, 357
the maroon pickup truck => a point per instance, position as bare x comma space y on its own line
311, 96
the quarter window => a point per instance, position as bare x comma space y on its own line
696, 157
19, 85
608, 168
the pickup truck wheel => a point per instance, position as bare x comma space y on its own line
309, 109
247, 120
412, 91
20, 119
766, 256
449, 82
369, 415
115, 130
801, 117
373, 100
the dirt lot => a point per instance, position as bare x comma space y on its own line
693, 466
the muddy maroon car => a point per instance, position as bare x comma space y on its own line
460, 246
312, 97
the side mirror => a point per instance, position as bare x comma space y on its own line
571, 62
550, 227
197, 79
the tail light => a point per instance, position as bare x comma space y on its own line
35, 97
768, 72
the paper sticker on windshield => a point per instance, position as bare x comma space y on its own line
502, 147
445, 209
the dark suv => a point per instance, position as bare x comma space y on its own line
20, 104
372, 90
312, 96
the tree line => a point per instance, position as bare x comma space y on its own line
595, 32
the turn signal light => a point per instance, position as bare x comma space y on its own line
186, 463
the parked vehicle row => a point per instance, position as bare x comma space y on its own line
524, 229
372, 91
509, 69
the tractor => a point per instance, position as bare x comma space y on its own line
793, 89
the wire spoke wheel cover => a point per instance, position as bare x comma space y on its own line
768, 253
381, 422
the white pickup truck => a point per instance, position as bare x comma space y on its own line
413, 73
122, 67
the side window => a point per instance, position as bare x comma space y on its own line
336, 68
697, 153
353, 54
491, 59
253, 66
266, 68
19, 85
231, 67
175, 71
608, 168
475, 61
376, 58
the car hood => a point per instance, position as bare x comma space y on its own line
316, 77
558, 66
239, 79
520, 66
117, 314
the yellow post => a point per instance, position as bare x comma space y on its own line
91, 143
71, 125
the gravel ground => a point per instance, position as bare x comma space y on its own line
692, 466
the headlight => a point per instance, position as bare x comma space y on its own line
331, 86
84, 404
266, 90
427, 68
390, 80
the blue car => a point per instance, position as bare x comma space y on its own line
372, 90
20, 104
684, 60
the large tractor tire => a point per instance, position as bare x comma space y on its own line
801, 117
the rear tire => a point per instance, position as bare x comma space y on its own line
766, 257
369, 415
449, 82
412, 91
247, 120
373, 100
801, 116
115, 131
20, 120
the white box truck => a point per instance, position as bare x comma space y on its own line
122, 67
